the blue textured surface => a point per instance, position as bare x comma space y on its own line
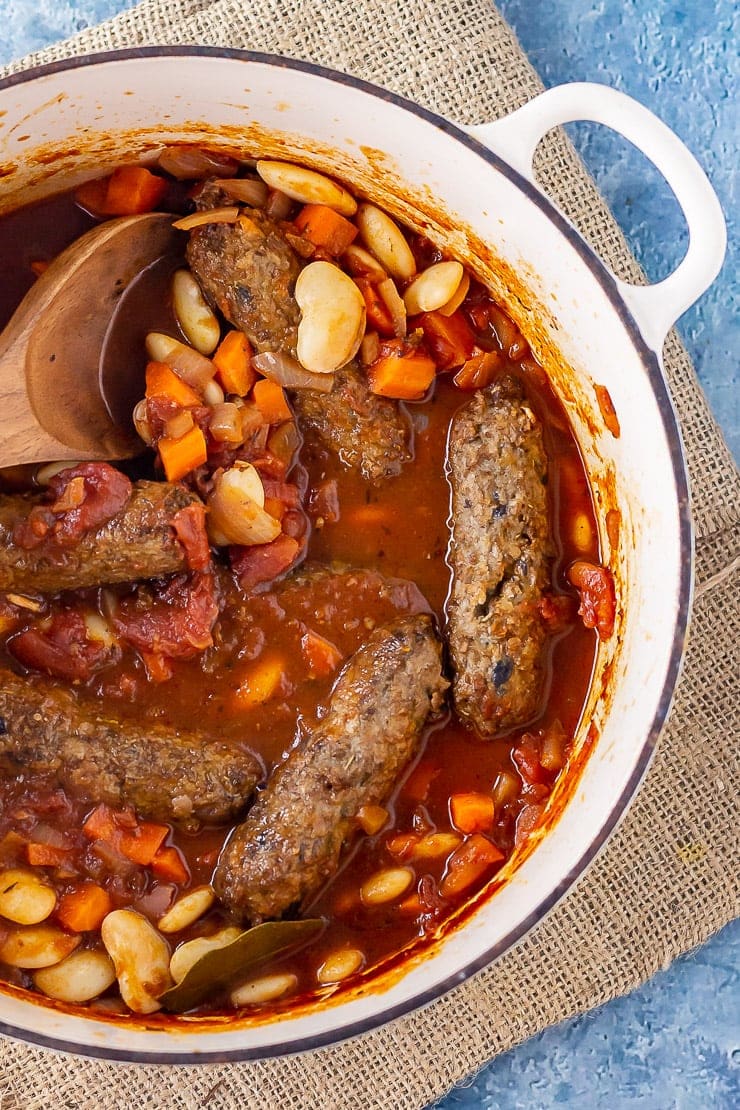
674, 1043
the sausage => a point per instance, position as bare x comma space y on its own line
162, 774
248, 271
500, 557
291, 840
139, 542
367, 432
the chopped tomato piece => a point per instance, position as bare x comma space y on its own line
468, 864
378, 315
322, 656
325, 228
61, 648
527, 820
449, 338
83, 909
190, 528
78, 500
598, 605
526, 756
233, 361
177, 621
133, 190
472, 812
263, 563
158, 667
168, 863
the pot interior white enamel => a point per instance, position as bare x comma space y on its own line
60, 125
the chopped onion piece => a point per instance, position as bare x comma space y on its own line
235, 515
394, 303
228, 215
193, 367
288, 372
370, 348
245, 189
179, 424
188, 162
226, 423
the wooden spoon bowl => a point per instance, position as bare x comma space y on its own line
51, 387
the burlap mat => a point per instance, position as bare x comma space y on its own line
668, 878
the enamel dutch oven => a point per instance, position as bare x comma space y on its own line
473, 192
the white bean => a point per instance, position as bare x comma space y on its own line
187, 909
34, 946
80, 977
306, 186
141, 422
384, 239
332, 317
267, 989
25, 898
437, 844
362, 264
45, 473
386, 885
340, 964
188, 954
582, 532
199, 324
433, 288
141, 957
457, 299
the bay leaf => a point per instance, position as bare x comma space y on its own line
224, 967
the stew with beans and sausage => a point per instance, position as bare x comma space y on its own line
280, 694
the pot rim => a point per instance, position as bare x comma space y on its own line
651, 363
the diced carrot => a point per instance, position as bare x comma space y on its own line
411, 906
40, 266
180, 456
419, 782
275, 507
45, 855
133, 190
141, 843
378, 314
169, 864
83, 909
101, 824
322, 656
270, 399
162, 381
325, 228
92, 196
368, 516
479, 370
371, 818
263, 680
233, 361
473, 812
468, 864
401, 373
263, 562
449, 338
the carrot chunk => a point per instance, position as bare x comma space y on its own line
162, 381
322, 656
133, 190
270, 399
92, 196
233, 361
260, 684
468, 864
169, 864
378, 314
45, 855
325, 228
472, 813
83, 909
138, 842
180, 456
400, 372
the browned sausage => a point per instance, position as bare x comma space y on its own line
500, 557
292, 838
163, 774
139, 542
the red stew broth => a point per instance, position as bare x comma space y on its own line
398, 528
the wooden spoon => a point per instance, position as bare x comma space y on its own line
51, 388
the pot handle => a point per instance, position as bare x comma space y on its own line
654, 307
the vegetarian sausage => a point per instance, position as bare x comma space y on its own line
291, 840
162, 774
500, 556
367, 432
138, 542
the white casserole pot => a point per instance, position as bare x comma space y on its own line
473, 192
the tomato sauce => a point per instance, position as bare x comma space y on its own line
398, 529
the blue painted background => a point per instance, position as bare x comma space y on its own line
675, 1043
